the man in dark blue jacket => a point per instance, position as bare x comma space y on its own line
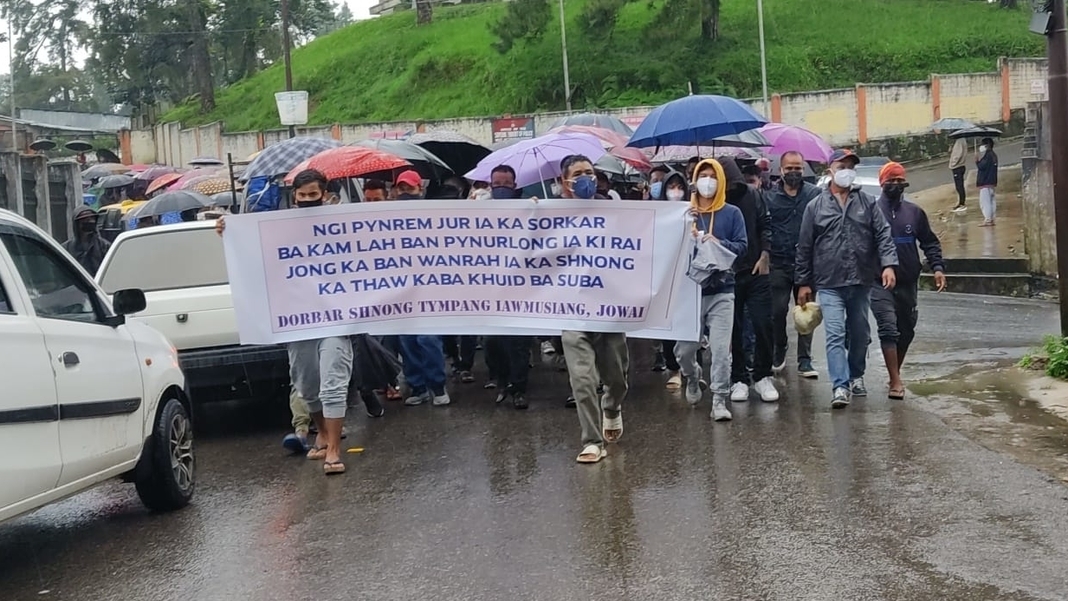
895, 310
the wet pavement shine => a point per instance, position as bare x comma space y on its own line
790, 501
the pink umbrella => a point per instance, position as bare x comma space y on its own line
614, 142
787, 138
194, 174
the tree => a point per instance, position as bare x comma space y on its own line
424, 12
522, 20
709, 19
197, 13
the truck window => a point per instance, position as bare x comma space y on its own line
166, 260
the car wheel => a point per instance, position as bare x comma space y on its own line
170, 479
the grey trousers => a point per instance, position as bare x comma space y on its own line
717, 314
592, 358
321, 370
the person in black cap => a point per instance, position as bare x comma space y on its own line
86, 245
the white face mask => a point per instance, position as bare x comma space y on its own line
707, 186
982, 148
556, 189
844, 178
675, 194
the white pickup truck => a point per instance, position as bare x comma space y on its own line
181, 269
85, 394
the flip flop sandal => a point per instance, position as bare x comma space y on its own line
613, 425
897, 394
591, 453
317, 453
333, 467
674, 383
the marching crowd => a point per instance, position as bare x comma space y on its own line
833, 245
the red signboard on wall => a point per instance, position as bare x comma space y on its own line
510, 130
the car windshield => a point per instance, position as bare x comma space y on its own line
166, 260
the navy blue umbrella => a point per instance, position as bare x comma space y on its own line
695, 120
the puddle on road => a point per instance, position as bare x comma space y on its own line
990, 405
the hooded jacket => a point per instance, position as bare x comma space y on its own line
909, 225
750, 201
986, 175
784, 213
87, 249
680, 178
727, 225
843, 245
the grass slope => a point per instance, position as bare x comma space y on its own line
389, 69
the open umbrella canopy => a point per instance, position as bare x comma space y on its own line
281, 158
951, 124
538, 159
78, 146
595, 120
976, 132
164, 181
115, 181
349, 161
155, 171
695, 120
790, 138
617, 170
614, 142
170, 202
103, 170
425, 162
195, 174
681, 154
460, 152
208, 185
206, 162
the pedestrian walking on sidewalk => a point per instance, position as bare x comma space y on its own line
986, 179
957, 156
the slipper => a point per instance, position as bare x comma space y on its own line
333, 467
613, 425
897, 394
317, 453
591, 453
296, 444
674, 382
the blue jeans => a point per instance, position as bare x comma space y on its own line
424, 363
845, 316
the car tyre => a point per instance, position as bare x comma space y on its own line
170, 478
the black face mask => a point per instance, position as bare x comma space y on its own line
894, 191
409, 197
87, 227
793, 179
309, 203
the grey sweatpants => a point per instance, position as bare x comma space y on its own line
321, 370
594, 357
717, 314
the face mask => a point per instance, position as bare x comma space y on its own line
982, 148
656, 189
86, 227
894, 191
844, 178
584, 186
556, 189
305, 204
500, 192
481, 195
793, 179
408, 197
675, 194
707, 186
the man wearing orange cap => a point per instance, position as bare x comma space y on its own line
895, 310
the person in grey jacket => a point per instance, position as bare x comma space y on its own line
844, 244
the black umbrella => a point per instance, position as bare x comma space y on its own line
976, 132
114, 181
78, 146
206, 162
459, 151
171, 202
425, 162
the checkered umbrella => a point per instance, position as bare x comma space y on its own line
349, 161
283, 157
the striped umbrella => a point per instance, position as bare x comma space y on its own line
349, 161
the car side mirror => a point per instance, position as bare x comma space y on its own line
126, 302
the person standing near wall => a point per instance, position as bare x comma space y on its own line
956, 167
986, 179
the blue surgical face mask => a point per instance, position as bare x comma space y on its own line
584, 186
655, 189
500, 192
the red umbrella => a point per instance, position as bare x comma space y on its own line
349, 161
615, 143
162, 182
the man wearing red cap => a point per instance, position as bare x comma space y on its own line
409, 186
895, 310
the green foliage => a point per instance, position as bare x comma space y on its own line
1057, 351
498, 58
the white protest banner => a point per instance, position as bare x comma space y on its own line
462, 267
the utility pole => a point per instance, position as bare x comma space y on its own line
763, 56
11, 81
1057, 53
285, 56
563, 44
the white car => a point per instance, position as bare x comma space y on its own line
85, 396
182, 271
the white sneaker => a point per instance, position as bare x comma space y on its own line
766, 389
693, 388
720, 413
739, 392
442, 399
547, 348
960, 209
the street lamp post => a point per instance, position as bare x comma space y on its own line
563, 46
286, 55
763, 55
11, 79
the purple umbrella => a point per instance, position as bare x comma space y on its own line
787, 138
155, 171
539, 159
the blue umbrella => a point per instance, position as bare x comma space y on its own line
695, 120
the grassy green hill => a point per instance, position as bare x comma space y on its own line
389, 69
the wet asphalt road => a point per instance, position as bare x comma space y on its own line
472, 502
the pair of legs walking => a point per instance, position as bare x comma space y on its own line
508, 358
896, 314
752, 300
321, 371
782, 290
717, 315
593, 358
424, 369
845, 318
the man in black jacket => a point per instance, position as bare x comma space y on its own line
786, 202
752, 290
895, 310
986, 179
86, 245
